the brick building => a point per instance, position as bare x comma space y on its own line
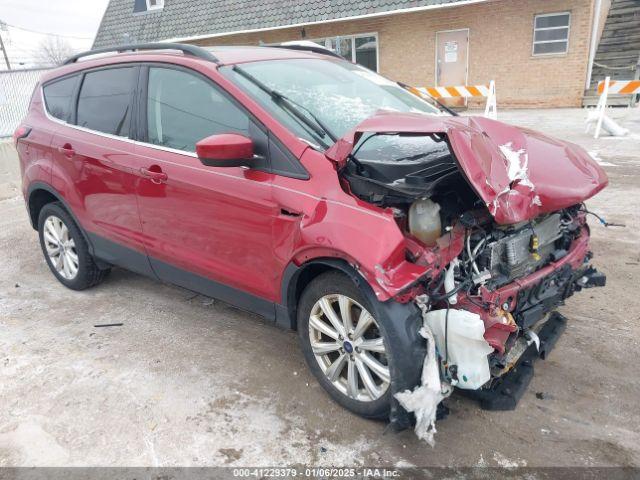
539, 52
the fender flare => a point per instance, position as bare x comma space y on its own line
286, 316
403, 321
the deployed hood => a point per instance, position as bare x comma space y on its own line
518, 173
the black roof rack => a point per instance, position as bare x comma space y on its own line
308, 48
183, 47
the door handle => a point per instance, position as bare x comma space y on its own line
67, 151
287, 212
156, 176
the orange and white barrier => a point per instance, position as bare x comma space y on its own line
627, 87
599, 116
465, 91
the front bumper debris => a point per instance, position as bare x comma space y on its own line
592, 278
506, 391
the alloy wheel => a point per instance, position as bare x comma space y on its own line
60, 247
347, 344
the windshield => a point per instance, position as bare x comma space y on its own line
337, 93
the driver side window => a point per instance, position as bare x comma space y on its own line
182, 109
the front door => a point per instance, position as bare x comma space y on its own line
452, 62
208, 229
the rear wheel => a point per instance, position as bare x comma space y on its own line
65, 249
344, 346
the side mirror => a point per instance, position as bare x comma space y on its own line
225, 150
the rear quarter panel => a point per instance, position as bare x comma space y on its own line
36, 159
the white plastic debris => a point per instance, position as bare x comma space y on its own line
531, 337
424, 400
600, 119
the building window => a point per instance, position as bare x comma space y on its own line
141, 6
551, 33
361, 49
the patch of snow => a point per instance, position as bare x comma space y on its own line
404, 464
626, 137
34, 445
505, 462
599, 161
374, 77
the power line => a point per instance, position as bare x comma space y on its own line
44, 33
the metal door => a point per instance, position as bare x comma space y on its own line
452, 61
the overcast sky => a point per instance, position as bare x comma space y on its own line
74, 20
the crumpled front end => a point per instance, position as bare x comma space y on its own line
506, 283
495, 230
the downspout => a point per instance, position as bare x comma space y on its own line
594, 41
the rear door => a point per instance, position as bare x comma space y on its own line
208, 229
95, 168
452, 61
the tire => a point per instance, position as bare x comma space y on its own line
331, 288
73, 265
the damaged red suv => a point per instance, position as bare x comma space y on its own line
314, 192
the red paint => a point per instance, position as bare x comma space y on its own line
20, 133
561, 174
243, 227
498, 325
98, 181
213, 221
226, 146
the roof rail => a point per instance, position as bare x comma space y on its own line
183, 47
308, 48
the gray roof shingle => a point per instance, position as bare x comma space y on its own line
187, 18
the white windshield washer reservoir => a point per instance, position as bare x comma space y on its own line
424, 221
467, 347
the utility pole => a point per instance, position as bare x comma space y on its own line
4, 50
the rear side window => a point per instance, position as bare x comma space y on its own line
104, 103
57, 97
183, 109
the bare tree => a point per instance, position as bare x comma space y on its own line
53, 51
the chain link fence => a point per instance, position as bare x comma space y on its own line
16, 87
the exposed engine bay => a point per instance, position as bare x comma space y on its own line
413, 184
481, 310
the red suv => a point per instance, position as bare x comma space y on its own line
314, 192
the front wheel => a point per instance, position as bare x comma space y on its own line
344, 346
